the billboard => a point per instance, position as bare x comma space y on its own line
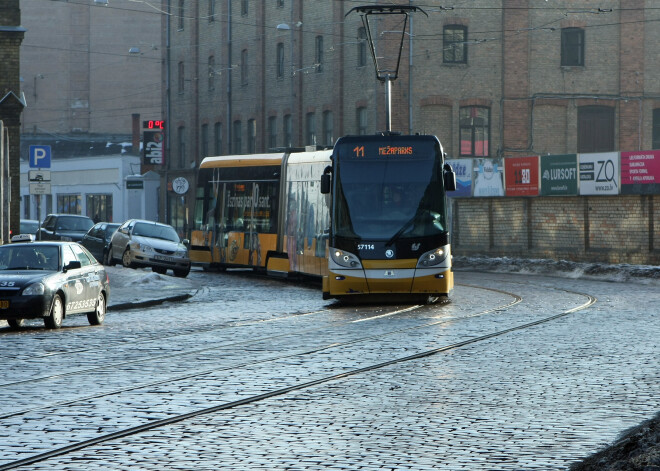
153, 147
640, 172
599, 173
559, 175
463, 170
522, 176
488, 177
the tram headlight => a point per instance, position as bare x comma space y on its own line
433, 258
345, 259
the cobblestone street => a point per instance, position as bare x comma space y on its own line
541, 396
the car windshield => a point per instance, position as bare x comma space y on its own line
155, 231
29, 227
29, 257
74, 224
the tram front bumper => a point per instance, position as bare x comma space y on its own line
438, 281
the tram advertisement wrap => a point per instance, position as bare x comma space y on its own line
640, 172
463, 170
599, 173
521, 176
488, 180
559, 175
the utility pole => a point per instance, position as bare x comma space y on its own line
4, 178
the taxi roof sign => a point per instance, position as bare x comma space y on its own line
23, 238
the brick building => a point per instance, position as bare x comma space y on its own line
11, 105
503, 78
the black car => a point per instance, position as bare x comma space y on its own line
69, 227
97, 240
51, 280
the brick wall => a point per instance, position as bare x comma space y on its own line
610, 229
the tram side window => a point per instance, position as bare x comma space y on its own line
251, 207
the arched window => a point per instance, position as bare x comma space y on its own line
362, 47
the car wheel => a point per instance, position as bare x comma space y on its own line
15, 323
182, 273
126, 259
98, 315
54, 321
159, 270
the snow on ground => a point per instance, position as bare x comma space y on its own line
646, 274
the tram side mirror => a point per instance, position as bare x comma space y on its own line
325, 180
449, 178
325, 184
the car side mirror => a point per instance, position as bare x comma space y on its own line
186, 242
72, 265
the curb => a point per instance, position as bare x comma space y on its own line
151, 302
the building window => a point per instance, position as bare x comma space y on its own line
99, 207
69, 204
319, 53
272, 132
280, 60
327, 128
310, 121
361, 118
362, 47
288, 130
180, 78
474, 131
182, 12
280, 3
595, 129
218, 139
244, 7
572, 47
656, 129
252, 136
238, 143
454, 47
211, 11
211, 73
205, 140
244, 67
182, 146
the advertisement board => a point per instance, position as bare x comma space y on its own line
153, 147
640, 172
559, 175
488, 177
521, 176
599, 173
463, 170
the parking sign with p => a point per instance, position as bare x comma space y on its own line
39, 156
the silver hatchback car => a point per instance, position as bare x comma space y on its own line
140, 243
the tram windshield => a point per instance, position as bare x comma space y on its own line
388, 199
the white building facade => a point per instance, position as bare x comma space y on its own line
90, 186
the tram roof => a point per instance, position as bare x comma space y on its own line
248, 160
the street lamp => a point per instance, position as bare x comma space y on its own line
386, 46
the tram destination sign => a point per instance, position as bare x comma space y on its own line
402, 148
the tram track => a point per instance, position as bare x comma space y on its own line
516, 300
128, 431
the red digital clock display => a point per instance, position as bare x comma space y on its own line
153, 124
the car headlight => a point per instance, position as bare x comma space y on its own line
34, 289
345, 259
181, 253
145, 248
433, 257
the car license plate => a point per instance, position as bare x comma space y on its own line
4, 304
164, 258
